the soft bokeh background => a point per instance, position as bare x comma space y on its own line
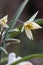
26, 47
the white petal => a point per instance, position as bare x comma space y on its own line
32, 18
12, 55
22, 28
16, 29
1, 22
35, 25
5, 25
29, 34
5, 18
11, 58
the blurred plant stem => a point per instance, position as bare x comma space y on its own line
23, 59
20, 9
28, 58
2, 43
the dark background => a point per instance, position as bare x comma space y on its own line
10, 7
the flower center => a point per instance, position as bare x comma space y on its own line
4, 21
29, 26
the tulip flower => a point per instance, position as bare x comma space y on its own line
3, 22
30, 25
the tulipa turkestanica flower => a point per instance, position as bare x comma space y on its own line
30, 25
3, 22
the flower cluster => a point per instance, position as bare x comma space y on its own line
8, 33
3, 22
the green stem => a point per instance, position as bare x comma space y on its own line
1, 44
23, 59
20, 9
17, 15
28, 58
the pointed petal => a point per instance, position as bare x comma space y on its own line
5, 25
32, 18
35, 25
5, 18
29, 34
22, 28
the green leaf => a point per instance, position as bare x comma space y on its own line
23, 59
39, 21
18, 13
28, 58
14, 34
11, 40
20, 9
13, 30
2, 49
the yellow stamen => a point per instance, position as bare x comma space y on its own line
4, 21
29, 26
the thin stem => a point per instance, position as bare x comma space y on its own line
24, 58
2, 43
28, 58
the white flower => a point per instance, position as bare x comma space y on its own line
30, 25
3, 22
12, 58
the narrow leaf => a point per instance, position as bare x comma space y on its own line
13, 30
11, 40
23, 59
20, 9
39, 21
28, 58
2, 49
